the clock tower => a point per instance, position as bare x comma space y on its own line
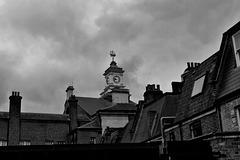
115, 90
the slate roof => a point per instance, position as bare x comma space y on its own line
191, 105
45, 117
91, 105
125, 107
230, 74
127, 135
113, 68
166, 106
91, 125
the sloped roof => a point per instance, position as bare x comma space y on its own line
125, 107
190, 105
166, 106
91, 105
127, 135
91, 125
45, 116
113, 68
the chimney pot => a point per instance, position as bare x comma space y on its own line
188, 65
195, 64
192, 65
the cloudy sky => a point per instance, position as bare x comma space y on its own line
47, 44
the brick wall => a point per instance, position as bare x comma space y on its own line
37, 132
229, 148
3, 129
229, 115
186, 132
176, 133
84, 135
209, 124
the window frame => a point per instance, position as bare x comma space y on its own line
49, 142
237, 108
172, 136
236, 50
195, 84
93, 140
194, 126
3, 143
61, 142
25, 143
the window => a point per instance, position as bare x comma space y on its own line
25, 143
93, 140
61, 142
238, 116
3, 143
198, 86
172, 136
48, 142
196, 128
236, 44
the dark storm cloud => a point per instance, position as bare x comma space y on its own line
50, 43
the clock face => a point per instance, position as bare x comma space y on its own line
116, 79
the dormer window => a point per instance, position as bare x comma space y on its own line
198, 86
236, 44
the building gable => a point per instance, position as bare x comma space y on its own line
198, 91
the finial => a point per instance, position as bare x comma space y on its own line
112, 54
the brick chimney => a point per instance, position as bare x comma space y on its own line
69, 91
73, 114
14, 119
152, 93
177, 87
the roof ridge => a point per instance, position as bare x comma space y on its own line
86, 97
88, 124
112, 105
44, 113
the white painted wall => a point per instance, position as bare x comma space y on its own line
120, 98
113, 121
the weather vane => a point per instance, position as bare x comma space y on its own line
112, 54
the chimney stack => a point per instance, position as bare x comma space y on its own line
69, 91
176, 87
152, 93
73, 113
190, 66
14, 119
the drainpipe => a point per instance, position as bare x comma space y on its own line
181, 133
162, 132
